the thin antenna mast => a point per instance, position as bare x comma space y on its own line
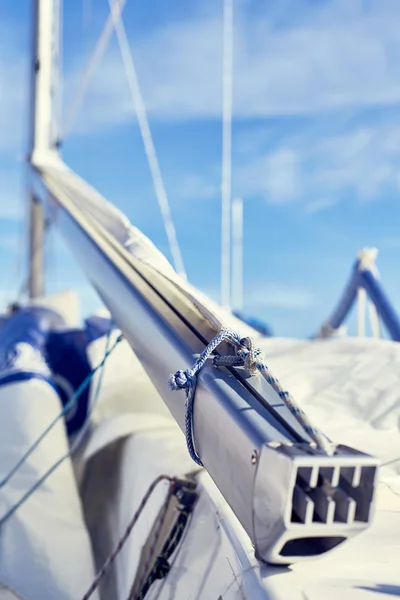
226, 187
43, 135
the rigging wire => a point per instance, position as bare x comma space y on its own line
226, 184
151, 155
94, 60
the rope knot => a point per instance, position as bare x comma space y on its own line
249, 357
246, 355
181, 380
249, 354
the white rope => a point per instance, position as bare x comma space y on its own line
93, 62
138, 102
226, 185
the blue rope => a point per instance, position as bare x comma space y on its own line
77, 440
251, 359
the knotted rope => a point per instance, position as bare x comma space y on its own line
251, 358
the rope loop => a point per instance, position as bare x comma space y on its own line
251, 358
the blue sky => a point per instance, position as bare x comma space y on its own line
316, 142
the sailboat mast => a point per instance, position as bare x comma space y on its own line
226, 184
237, 253
43, 136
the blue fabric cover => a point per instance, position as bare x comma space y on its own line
34, 343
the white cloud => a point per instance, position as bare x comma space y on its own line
279, 296
335, 54
276, 175
319, 205
192, 186
330, 58
314, 168
320, 169
339, 56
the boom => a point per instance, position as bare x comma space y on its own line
292, 500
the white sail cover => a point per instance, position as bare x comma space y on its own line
89, 202
45, 550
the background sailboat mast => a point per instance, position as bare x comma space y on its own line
237, 253
44, 89
226, 186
